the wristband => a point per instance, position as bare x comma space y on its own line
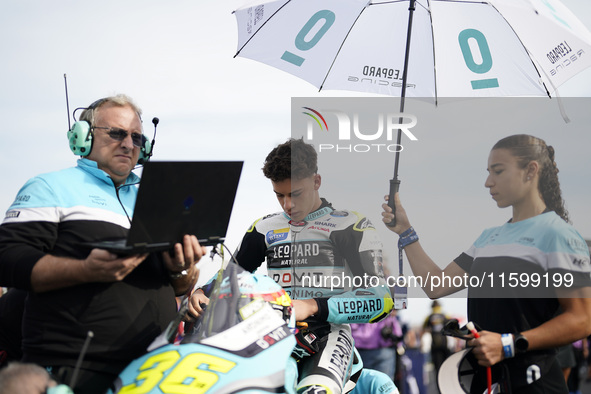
508, 348
178, 275
407, 237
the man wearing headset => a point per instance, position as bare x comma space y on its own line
125, 301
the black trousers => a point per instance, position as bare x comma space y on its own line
87, 382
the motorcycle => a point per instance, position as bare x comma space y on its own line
242, 343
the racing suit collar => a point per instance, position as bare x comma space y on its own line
91, 167
324, 209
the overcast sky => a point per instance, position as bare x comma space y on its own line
176, 60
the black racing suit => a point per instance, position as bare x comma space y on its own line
334, 257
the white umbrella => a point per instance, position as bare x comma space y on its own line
419, 48
454, 48
458, 48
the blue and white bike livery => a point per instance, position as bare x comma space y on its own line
242, 344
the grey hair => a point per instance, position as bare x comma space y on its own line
119, 100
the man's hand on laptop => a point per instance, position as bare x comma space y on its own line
181, 263
104, 266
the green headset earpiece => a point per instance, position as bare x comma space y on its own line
145, 151
80, 135
80, 138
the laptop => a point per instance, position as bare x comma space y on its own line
177, 198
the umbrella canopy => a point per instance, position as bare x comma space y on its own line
419, 48
459, 48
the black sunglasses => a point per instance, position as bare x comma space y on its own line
119, 135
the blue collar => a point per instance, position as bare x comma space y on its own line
91, 167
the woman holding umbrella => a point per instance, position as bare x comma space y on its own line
532, 272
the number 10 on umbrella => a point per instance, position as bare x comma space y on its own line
486, 58
326, 18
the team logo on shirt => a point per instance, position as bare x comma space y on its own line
270, 215
321, 212
578, 245
12, 214
23, 198
277, 235
579, 262
526, 241
339, 214
98, 200
363, 224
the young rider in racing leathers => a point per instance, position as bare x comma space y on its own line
329, 261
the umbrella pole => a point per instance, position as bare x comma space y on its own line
399, 292
395, 182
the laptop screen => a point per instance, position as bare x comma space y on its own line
178, 198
